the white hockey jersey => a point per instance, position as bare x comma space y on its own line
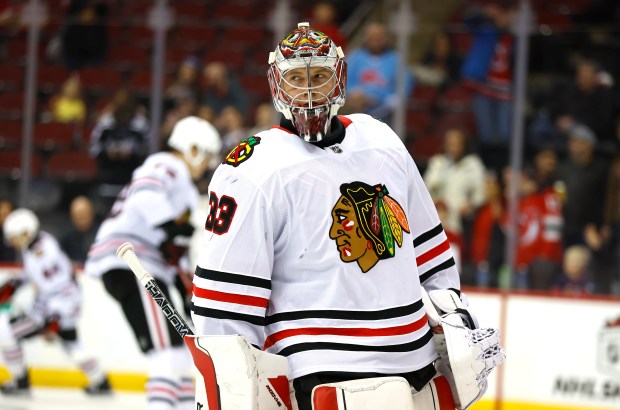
317, 254
161, 190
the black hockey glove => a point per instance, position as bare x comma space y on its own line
178, 238
8, 289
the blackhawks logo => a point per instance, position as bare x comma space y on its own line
241, 152
366, 224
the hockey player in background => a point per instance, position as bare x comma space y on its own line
322, 242
153, 212
56, 309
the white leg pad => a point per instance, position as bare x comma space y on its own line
392, 393
233, 373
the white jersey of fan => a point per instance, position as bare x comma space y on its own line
49, 269
161, 190
275, 276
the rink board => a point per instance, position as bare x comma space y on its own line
561, 354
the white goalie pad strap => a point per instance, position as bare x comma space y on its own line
466, 357
448, 301
363, 394
232, 374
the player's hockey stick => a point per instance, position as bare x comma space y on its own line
126, 253
202, 359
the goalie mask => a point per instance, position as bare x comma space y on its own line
307, 77
21, 227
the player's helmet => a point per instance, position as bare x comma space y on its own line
19, 222
304, 48
195, 138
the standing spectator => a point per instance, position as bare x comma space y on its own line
325, 19
153, 212
589, 102
487, 70
119, 140
372, 75
76, 241
84, 35
221, 89
488, 237
7, 253
69, 105
441, 64
585, 180
55, 312
456, 177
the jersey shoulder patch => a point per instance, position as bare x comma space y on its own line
242, 152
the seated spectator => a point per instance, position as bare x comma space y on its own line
119, 140
264, 118
77, 240
7, 252
84, 36
576, 276
441, 65
373, 74
325, 19
456, 177
185, 85
222, 89
69, 106
231, 126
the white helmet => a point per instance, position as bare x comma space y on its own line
191, 132
21, 221
304, 48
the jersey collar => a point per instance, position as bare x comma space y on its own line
334, 136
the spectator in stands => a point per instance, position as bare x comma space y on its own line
119, 140
588, 101
77, 240
263, 118
231, 126
84, 36
7, 252
222, 89
185, 85
69, 105
487, 70
585, 180
576, 276
372, 76
545, 166
325, 19
184, 108
487, 238
456, 177
441, 64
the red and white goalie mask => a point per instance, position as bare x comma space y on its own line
307, 77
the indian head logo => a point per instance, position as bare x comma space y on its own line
241, 152
367, 224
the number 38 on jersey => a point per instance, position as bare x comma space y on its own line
222, 210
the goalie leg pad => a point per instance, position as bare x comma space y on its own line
364, 394
232, 374
436, 395
466, 357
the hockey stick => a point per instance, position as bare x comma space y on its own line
126, 253
202, 358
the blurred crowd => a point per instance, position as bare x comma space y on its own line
568, 205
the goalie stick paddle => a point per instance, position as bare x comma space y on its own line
202, 358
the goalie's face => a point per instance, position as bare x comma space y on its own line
308, 87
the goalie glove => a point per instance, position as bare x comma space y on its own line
467, 353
